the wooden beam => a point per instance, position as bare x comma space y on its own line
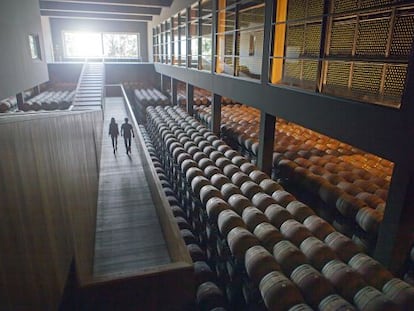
96, 15
98, 8
266, 140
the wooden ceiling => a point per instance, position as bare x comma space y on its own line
125, 10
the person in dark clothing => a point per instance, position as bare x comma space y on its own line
126, 130
114, 132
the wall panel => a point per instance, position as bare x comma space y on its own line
19, 19
49, 183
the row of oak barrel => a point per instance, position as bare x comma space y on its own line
8, 104
244, 121
348, 195
205, 278
297, 260
145, 97
242, 126
50, 100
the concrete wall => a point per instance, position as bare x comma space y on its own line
61, 24
48, 194
47, 39
116, 73
64, 72
19, 19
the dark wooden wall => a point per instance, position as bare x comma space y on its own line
48, 193
118, 72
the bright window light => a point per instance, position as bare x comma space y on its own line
97, 44
82, 44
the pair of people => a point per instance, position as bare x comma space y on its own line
126, 131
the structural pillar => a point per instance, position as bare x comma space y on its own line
190, 99
20, 100
216, 114
174, 84
266, 140
161, 82
37, 90
395, 236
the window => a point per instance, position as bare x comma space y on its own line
34, 46
120, 45
240, 38
96, 44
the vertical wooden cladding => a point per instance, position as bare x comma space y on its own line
49, 182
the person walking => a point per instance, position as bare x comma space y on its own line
126, 130
114, 132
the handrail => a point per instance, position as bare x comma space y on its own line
103, 91
178, 251
78, 84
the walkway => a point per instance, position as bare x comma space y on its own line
128, 234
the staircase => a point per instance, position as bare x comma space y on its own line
89, 92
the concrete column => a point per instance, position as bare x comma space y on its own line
20, 100
216, 114
174, 84
266, 140
190, 99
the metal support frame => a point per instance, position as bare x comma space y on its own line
216, 114
266, 140
267, 39
190, 99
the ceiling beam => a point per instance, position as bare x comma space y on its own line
122, 2
96, 15
98, 8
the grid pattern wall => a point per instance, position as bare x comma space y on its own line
354, 48
239, 37
357, 49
